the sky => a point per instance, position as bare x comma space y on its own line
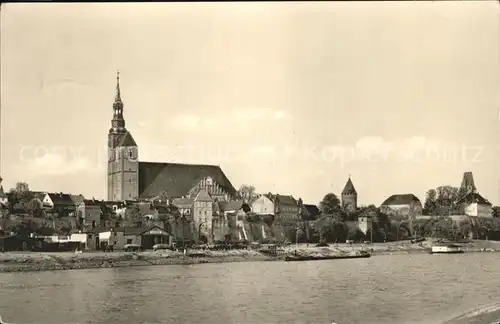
291, 98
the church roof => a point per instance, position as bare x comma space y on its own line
177, 179
349, 188
127, 140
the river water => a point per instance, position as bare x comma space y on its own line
417, 288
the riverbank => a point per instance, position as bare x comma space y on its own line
33, 261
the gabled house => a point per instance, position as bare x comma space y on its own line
286, 208
309, 212
402, 205
59, 204
263, 205
476, 205
78, 199
185, 206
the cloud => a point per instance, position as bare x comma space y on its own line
238, 117
57, 164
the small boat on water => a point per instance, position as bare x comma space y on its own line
446, 248
296, 257
3, 322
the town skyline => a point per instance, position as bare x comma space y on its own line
258, 111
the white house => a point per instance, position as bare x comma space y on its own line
146, 237
477, 206
263, 205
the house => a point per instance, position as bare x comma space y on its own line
59, 204
402, 205
86, 239
308, 212
89, 213
77, 199
229, 207
263, 205
476, 205
282, 207
228, 215
185, 206
286, 208
146, 237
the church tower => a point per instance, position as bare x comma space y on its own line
349, 197
123, 156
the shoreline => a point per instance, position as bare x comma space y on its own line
47, 261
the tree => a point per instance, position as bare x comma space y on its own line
247, 192
133, 216
34, 207
447, 197
330, 229
444, 200
496, 211
330, 204
430, 204
19, 196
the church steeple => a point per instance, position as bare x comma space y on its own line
118, 122
118, 98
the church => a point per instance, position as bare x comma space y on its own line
130, 179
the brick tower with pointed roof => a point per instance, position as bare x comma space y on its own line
349, 197
123, 156
468, 185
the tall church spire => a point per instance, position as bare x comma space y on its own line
118, 122
118, 98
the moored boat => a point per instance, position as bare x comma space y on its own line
446, 248
296, 257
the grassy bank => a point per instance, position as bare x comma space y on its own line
32, 261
